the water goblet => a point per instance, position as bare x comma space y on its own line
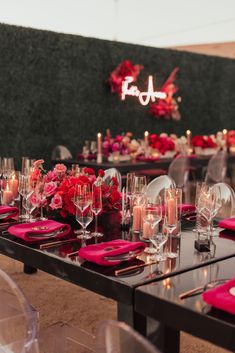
96, 207
82, 200
84, 217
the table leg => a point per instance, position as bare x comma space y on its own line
129, 316
166, 339
29, 270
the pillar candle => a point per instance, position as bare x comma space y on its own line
7, 196
146, 137
13, 185
171, 210
189, 137
137, 215
147, 231
99, 143
225, 136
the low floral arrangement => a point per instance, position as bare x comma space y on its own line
119, 143
231, 138
204, 141
58, 188
162, 143
167, 108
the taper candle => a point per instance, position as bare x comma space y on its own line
189, 137
146, 137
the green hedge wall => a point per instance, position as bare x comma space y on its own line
54, 90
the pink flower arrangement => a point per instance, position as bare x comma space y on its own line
161, 143
119, 143
231, 138
203, 142
56, 189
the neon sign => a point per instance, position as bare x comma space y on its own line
144, 97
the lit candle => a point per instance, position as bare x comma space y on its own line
137, 214
171, 209
146, 138
225, 136
13, 185
146, 230
7, 196
189, 136
99, 147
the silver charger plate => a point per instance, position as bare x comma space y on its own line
125, 257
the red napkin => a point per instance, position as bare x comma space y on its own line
97, 252
227, 223
9, 209
24, 230
220, 298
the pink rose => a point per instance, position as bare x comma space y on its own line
36, 200
56, 202
50, 176
38, 162
60, 168
50, 188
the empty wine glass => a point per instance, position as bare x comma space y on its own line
152, 215
29, 206
96, 207
25, 190
82, 201
84, 217
171, 217
7, 167
139, 184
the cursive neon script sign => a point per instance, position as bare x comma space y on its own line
144, 97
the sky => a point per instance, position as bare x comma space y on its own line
155, 23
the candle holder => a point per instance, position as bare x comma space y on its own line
99, 158
171, 218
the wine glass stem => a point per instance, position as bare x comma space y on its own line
96, 223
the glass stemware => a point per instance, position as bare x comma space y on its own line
171, 217
96, 207
139, 184
84, 217
152, 215
7, 167
25, 190
82, 201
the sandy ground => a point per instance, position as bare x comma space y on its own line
57, 300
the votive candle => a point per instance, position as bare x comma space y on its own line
7, 196
13, 185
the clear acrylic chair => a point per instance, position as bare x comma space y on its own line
157, 187
226, 197
110, 173
60, 153
114, 336
62, 338
217, 168
179, 170
18, 321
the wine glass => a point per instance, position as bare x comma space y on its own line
139, 184
129, 184
25, 190
84, 217
82, 201
152, 215
7, 167
29, 206
171, 217
41, 198
96, 207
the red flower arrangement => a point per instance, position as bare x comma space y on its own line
203, 142
59, 189
124, 69
164, 108
161, 143
231, 138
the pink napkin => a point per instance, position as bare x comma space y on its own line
9, 209
227, 223
38, 229
97, 252
185, 209
227, 234
220, 298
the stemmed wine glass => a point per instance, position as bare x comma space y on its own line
96, 207
7, 167
82, 202
152, 215
26, 190
41, 197
139, 185
171, 217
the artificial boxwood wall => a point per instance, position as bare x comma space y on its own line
53, 90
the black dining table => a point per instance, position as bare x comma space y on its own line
160, 301
56, 260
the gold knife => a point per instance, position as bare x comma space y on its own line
58, 242
134, 267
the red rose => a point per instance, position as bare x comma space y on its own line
101, 173
89, 171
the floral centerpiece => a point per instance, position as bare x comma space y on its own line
58, 188
121, 145
231, 140
163, 144
205, 145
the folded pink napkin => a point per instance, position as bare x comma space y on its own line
41, 230
9, 211
97, 252
227, 223
220, 297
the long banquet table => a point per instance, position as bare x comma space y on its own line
162, 303
102, 280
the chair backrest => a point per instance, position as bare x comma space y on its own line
157, 187
217, 168
18, 322
110, 173
61, 152
118, 337
227, 198
179, 170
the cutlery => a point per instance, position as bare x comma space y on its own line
201, 289
46, 235
125, 256
57, 242
132, 268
